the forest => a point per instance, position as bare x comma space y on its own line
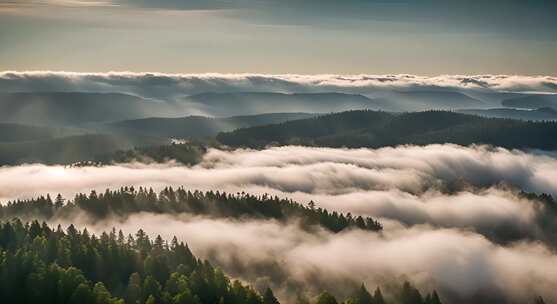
374, 129
40, 264
127, 201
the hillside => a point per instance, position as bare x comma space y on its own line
66, 150
532, 102
377, 129
76, 108
407, 101
534, 115
16, 132
195, 127
249, 103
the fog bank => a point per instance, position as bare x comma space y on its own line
461, 265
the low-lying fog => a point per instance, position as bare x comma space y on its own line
443, 208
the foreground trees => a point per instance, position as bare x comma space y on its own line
42, 265
39, 264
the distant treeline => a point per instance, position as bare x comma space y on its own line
127, 201
183, 153
378, 129
39, 264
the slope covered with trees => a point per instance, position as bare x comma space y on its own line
197, 127
43, 265
78, 108
532, 101
10, 132
541, 114
70, 149
378, 129
39, 264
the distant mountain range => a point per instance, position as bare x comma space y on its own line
532, 101
510, 113
82, 109
16, 132
409, 101
64, 109
56, 127
197, 127
28, 144
70, 149
249, 103
378, 129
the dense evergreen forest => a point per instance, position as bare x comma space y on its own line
377, 129
39, 264
127, 201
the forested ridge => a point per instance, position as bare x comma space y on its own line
377, 129
127, 201
189, 153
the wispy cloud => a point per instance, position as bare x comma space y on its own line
447, 210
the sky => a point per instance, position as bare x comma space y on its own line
424, 37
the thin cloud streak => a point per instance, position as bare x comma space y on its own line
174, 85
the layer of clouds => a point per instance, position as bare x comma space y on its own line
461, 265
173, 85
441, 185
452, 215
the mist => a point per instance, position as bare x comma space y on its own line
453, 217
442, 185
160, 85
461, 265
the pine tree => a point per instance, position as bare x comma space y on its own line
378, 296
362, 296
269, 297
326, 298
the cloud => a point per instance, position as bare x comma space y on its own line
441, 185
452, 216
173, 85
461, 265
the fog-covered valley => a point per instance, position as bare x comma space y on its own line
360, 189
453, 217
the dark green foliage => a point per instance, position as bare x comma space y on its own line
432, 298
378, 129
127, 201
305, 131
269, 297
541, 114
410, 295
362, 296
546, 219
378, 296
326, 298
41, 265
